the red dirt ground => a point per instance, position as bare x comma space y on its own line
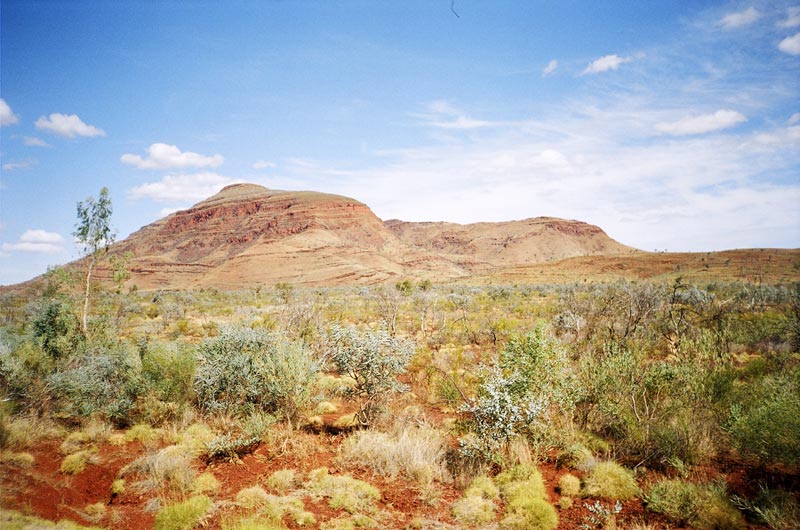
45, 492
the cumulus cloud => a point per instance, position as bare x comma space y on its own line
7, 116
165, 156
605, 63
182, 188
740, 18
264, 164
38, 241
550, 68
790, 45
34, 141
19, 164
722, 119
792, 18
68, 126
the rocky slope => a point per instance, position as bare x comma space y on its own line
248, 235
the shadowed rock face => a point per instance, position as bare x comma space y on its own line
249, 235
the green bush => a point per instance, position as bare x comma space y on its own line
764, 420
569, 485
473, 510
373, 359
168, 370
184, 515
243, 368
100, 381
525, 392
57, 328
609, 480
703, 506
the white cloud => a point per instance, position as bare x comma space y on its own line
605, 63
792, 18
7, 116
34, 141
165, 156
264, 164
790, 45
167, 211
68, 126
182, 188
795, 118
38, 241
740, 18
19, 164
722, 119
550, 68
443, 115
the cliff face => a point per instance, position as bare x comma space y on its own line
249, 235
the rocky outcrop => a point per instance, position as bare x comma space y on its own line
249, 235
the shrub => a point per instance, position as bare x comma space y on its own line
23, 460
417, 452
609, 480
252, 498
343, 491
102, 381
776, 508
569, 485
205, 483
473, 510
183, 515
529, 513
704, 507
142, 433
118, 487
373, 359
57, 329
245, 368
76, 462
764, 421
283, 480
168, 370
167, 470
483, 486
524, 392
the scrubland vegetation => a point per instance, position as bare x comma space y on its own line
629, 405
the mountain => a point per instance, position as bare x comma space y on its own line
249, 235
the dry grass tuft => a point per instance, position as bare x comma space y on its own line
416, 452
21, 460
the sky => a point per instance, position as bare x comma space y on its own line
673, 125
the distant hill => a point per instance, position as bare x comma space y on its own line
248, 235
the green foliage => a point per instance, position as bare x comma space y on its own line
283, 480
609, 480
168, 370
529, 513
704, 507
776, 508
183, 515
373, 359
243, 369
99, 381
483, 486
525, 392
764, 419
343, 491
473, 510
569, 485
523, 489
76, 462
93, 231
56, 328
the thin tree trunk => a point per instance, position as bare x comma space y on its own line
86, 295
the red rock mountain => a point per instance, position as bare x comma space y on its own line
249, 235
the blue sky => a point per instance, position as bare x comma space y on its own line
672, 125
